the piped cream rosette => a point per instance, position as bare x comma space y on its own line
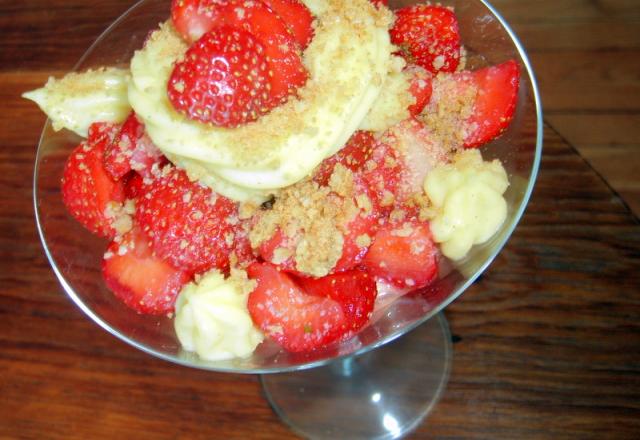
348, 61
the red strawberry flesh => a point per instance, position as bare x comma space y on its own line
222, 79
188, 224
143, 281
428, 36
89, 193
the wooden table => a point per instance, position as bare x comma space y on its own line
547, 343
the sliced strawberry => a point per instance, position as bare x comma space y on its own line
296, 16
189, 225
417, 151
193, 18
357, 236
301, 321
131, 149
354, 290
223, 79
139, 278
420, 88
286, 70
353, 155
382, 174
378, 3
89, 193
403, 254
428, 36
495, 103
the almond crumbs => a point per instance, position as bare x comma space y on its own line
313, 217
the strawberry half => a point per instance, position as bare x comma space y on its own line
89, 193
188, 224
143, 281
405, 255
495, 103
223, 79
353, 155
131, 149
286, 71
354, 290
296, 16
428, 36
304, 321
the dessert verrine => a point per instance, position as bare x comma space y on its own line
275, 174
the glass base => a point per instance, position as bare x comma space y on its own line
383, 394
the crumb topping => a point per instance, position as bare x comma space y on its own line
313, 218
451, 104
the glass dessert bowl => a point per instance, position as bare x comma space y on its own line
76, 255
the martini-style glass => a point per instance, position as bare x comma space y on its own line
381, 383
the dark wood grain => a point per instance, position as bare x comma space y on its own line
548, 341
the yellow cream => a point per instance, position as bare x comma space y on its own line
348, 61
80, 99
468, 201
212, 317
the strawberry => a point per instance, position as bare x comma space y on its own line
223, 79
131, 149
403, 254
286, 71
193, 18
495, 103
353, 156
417, 151
378, 3
143, 281
381, 174
301, 321
296, 16
354, 290
188, 224
428, 36
420, 88
89, 193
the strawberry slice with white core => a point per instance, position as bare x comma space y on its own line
143, 281
417, 151
131, 149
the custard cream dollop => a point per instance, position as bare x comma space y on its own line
212, 317
80, 99
347, 61
467, 197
